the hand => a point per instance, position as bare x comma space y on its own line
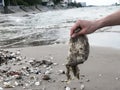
86, 27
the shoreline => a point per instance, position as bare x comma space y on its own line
99, 72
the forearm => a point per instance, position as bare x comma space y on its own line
110, 20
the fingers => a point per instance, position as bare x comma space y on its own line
73, 29
79, 33
76, 26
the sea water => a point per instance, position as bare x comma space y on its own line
53, 27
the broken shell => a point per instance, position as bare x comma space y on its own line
37, 83
55, 64
8, 85
1, 88
16, 83
47, 72
117, 78
100, 75
61, 72
67, 88
18, 53
82, 87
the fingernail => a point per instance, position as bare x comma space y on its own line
73, 36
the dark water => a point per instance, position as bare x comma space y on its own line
53, 27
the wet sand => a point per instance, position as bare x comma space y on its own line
99, 72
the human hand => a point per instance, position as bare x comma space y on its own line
86, 27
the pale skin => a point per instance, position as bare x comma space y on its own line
88, 27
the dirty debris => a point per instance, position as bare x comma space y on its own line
78, 54
20, 71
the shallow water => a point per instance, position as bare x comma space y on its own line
53, 27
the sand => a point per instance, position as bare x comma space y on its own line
99, 72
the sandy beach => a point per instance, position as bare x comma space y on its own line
99, 72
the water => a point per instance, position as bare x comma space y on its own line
54, 26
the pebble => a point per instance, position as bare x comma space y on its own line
100, 75
46, 77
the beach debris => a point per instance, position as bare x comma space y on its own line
67, 88
1, 88
100, 75
37, 83
78, 54
46, 77
117, 78
61, 72
8, 85
82, 86
87, 80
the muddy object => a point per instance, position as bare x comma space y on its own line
78, 54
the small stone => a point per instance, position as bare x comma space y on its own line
82, 87
46, 77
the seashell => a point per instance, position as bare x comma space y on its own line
67, 88
82, 87
16, 83
1, 88
37, 83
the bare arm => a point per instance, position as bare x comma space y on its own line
88, 27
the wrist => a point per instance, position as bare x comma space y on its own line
99, 23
